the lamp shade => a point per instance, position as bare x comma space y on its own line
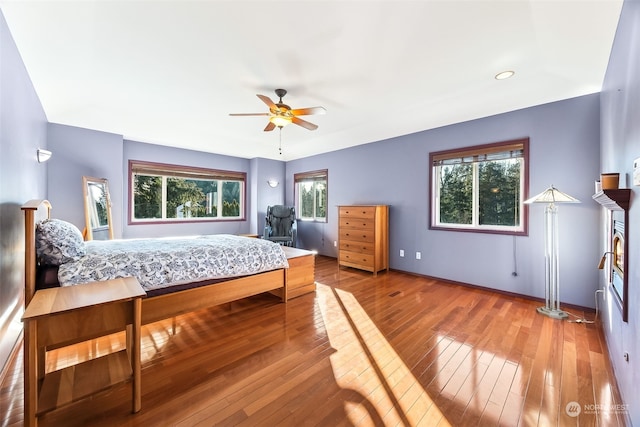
552, 195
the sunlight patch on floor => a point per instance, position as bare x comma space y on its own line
81, 352
155, 336
367, 364
478, 381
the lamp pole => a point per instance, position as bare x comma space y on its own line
552, 274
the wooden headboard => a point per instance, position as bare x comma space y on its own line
34, 211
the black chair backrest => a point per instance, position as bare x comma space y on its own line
281, 219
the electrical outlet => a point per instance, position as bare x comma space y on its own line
418, 255
401, 253
335, 243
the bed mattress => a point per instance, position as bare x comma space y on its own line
163, 262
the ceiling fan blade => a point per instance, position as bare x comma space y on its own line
308, 111
249, 114
305, 124
270, 126
267, 101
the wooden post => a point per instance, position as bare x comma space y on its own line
135, 355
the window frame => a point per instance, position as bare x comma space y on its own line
317, 175
167, 170
475, 151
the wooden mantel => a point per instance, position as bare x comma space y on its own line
615, 200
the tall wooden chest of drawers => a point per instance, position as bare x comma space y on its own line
364, 237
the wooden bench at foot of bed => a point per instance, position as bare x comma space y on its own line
300, 276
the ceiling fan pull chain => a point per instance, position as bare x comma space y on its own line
280, 146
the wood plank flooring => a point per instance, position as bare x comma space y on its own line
391, 350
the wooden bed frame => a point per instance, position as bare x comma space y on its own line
300, 274
285, 283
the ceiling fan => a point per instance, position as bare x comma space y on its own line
281, 114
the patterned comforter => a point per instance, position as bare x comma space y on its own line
159, 263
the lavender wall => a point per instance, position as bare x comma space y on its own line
23, 127
564, 151
263, 170
82, 152
620, 145
161, 154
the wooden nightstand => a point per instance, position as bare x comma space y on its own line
63, 316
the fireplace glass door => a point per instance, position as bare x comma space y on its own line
617, 246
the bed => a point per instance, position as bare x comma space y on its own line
290, 275
292, 278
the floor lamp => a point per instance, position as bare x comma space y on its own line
551, 196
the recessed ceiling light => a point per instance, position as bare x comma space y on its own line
505, 75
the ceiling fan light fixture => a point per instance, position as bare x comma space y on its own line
280, 114
280, 121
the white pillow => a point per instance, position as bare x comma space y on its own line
58, 242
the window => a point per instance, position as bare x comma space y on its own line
310, 193
162, 193
481, 188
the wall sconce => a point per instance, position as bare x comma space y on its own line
273, 183
43, 155
603, 260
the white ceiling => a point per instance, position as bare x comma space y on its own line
170, 72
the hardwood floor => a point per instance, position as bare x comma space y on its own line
369, 351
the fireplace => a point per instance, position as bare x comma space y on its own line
617, 244
618, 259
